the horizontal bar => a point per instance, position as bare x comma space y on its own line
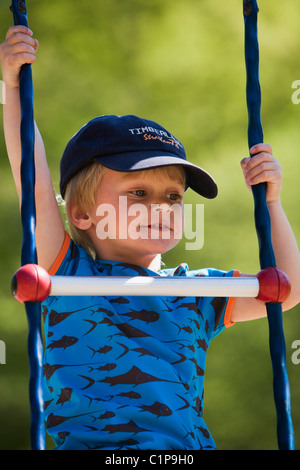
154, 286
32, 283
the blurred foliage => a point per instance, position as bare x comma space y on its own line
181, 64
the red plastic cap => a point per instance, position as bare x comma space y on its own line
31, 283
274, 285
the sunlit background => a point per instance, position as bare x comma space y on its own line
180, 63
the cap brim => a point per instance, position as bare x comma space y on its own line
197, 179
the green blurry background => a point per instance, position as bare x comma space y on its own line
180, 63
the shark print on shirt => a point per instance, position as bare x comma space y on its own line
128, 372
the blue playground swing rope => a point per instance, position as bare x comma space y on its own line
262, 221
285, 433
28, 253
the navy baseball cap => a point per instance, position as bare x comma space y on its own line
129, 143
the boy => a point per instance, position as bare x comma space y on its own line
121, 372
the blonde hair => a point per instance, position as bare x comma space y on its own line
81, 192
82, 189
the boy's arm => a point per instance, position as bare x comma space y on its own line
19, 48
264, 167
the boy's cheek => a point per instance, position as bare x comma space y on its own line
178, 226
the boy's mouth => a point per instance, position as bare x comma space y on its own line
159, 227
156, 227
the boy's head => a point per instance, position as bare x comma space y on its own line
129, 143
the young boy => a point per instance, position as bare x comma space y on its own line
127, 372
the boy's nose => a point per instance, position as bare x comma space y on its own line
161, 207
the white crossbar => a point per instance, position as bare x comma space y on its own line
155, 286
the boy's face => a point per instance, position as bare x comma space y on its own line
138, 215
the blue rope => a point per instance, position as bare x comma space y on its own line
28, 253
285, 433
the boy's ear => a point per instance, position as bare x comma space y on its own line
78, 218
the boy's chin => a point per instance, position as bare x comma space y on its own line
158, 246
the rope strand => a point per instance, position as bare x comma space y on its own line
28, 252
285, 433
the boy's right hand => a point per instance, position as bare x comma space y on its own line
19, 48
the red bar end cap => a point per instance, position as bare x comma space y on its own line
31, 283
274, 285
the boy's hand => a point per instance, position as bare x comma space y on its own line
263, 167
18, 48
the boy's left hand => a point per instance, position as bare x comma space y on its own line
263, 167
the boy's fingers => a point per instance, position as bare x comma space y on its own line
264, 166
19, 44
18, 29
259, 159
245, 161
264, 177
259, 152
265, 172
16, 54
20, 38
261, 148
251, 162
27, 58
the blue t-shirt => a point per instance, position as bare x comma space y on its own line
127, 372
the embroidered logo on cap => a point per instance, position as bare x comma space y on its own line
160, 134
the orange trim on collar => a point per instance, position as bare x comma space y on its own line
61, 255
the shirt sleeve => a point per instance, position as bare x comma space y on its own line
216, 311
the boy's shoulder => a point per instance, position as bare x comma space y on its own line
73, 260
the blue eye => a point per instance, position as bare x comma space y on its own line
139, 192
174, 197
